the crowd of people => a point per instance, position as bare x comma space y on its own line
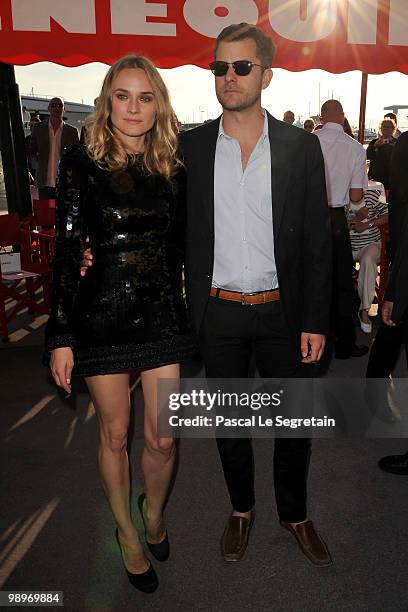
258, 213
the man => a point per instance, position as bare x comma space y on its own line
346, 177
388, 340
258, 266
309, 125
31, 161
395, 309
48, 140
289, 117
26, 116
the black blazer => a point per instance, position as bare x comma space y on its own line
398, 199
40, 146
301, 224
397, 290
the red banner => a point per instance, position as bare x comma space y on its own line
334, 35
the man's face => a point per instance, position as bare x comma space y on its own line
56, 108
238, 93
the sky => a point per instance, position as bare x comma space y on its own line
193, 97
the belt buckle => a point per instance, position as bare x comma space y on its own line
243, 302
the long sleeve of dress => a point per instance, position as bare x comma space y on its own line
70, 232
177, 233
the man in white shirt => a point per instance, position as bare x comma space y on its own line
258, 267
346, 178
48, 141
26, 116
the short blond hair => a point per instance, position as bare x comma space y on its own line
388, 121
104, 147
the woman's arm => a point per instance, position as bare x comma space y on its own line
70, 231
177, 234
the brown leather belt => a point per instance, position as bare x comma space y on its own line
261, 297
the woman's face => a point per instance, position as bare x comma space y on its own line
133, 106
387, 129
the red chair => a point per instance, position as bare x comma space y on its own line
20, 290
41, 224
44, 215
384, 265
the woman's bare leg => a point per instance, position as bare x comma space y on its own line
158, 454
110, 395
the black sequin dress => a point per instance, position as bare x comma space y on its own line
128, 312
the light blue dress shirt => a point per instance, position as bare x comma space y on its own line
244, 258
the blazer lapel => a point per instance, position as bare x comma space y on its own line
281, 160
207, 161
64, 138
46, 139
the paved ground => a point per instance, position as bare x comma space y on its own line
56, 532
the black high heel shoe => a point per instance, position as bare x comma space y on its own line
160, 551
147, 582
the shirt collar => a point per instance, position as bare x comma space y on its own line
265, 131
50, 125
333, 126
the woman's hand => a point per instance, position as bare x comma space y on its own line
87, 261
62, 362
358, 226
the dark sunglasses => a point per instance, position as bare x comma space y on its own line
240, 67
56, 105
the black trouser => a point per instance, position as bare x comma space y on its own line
230, 335
343, 287
47, 193
385, 351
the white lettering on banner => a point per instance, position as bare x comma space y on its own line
285, 19
34, 15
129, 17
202, 18
209, 17
362, 22
398, 22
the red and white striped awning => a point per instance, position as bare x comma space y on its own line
334, 35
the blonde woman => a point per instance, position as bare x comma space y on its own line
379, 152
124, 190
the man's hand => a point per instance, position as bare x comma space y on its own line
312, 347
86, 262
387, 313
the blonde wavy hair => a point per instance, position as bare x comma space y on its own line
104, 147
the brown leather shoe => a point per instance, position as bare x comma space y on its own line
310, 543
234, 540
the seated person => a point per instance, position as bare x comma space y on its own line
364, 220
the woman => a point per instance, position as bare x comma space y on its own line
379, 152
125, 191
365, 237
